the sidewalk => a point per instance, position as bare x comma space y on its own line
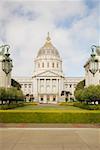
49, 139
35, 125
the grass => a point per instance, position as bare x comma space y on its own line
46, 108
49, 114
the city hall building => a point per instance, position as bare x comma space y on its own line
48, 80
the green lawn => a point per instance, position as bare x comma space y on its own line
47, 107
47, 113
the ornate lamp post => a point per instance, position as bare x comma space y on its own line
6, 62
93, 68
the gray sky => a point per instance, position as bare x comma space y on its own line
74, 26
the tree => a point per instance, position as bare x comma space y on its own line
15, 84
93, 93
79, 91
2, 94
88, 94
10, 95
80, 85
79, 95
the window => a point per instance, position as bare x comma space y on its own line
53, 65
29, 85
70, 85
48, 65
43, 65
25, 85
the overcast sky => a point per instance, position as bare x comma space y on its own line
74, 26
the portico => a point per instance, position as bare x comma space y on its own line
48, 88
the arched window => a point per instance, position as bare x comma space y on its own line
70, 85
43, 64
52, 65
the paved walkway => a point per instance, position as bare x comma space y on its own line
49, 139
46, 125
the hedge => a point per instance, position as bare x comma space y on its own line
14, 105
11, 95
16, 116
11, 106
66, 103
87, 106
30, 103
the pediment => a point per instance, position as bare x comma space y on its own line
48, 74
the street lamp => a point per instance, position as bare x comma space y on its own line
93, 61
6, 62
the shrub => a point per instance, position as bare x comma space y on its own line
66, 103
14, 105
31, 103
88, 94
87, 106
15, 116
11, 106
10, 95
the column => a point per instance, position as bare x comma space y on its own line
37, 91
58, 92
39, 86
60, 88
50, 85
45, 91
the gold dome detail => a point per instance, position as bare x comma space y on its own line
48, 48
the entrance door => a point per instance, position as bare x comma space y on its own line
48, 98
54, 98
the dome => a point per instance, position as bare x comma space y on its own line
48, 49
